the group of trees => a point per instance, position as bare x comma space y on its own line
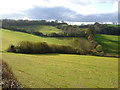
104, 29
89, 47
74, 31
8, 23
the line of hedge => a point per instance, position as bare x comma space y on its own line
28, 47
41, 48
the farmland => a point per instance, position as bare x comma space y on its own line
109, 43
45, 29
63, 70
12, 37
58, 70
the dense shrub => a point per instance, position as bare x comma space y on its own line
99, 48
30, 47
62, 49
40, 47
81, 44
11, 48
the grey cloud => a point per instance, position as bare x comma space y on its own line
50, 13
62, 13
110, 17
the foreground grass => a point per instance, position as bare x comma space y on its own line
63, 71
109, 43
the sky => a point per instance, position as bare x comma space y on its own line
67, 10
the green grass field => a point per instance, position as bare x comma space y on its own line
58, 70
42, 28
13, 37
63, 70
112, 25
109, 43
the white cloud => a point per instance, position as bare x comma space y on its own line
93, 6
84, 7
16, 6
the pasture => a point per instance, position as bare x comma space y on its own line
45, 29
13, 37
58, 70
63, 70
109, 43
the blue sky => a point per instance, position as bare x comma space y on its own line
73, 10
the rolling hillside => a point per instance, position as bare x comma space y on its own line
13, 37
109, 43
41, 28
58, 70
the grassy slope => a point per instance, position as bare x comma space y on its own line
12, 37
113, 25
61, 70
109, 43
42, 28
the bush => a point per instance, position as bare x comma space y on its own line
40, 47
11, 48
81, 44
62, 49
99, 48
30, 47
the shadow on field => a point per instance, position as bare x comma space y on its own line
50, 54
109, 46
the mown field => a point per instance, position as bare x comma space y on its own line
109, 42
63, 70
58, 70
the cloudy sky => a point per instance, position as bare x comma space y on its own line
67, 10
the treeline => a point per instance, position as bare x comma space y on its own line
9, 22
68, 30
73, 30
104, 29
